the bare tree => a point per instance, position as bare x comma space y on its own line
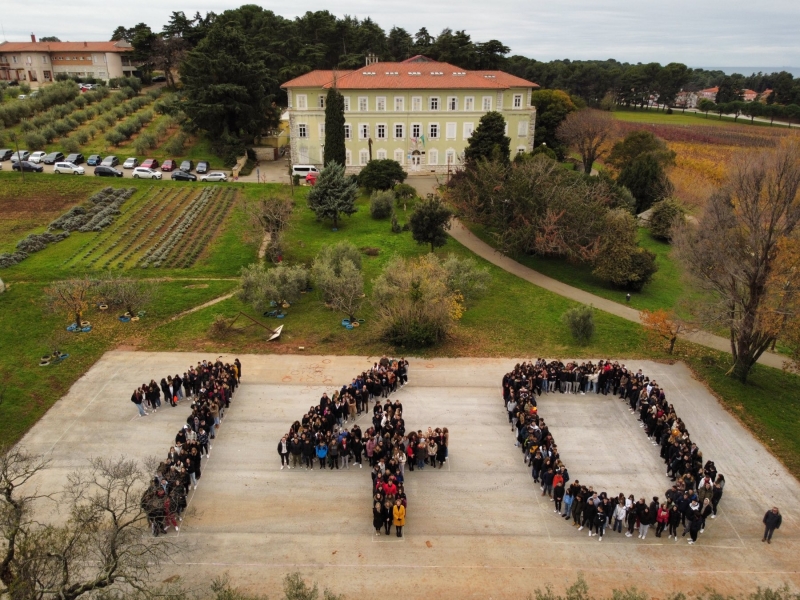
70, 296
587, 130
268, 219
131, 294
739, 252
167, 54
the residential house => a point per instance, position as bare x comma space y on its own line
708, 94
748, 95
39, 62
418, 112
686, 99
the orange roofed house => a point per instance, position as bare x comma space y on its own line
418, 112
39, 62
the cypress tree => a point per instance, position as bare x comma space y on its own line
334, 128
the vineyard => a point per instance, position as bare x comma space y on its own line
164, 228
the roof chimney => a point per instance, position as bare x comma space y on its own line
33, 38
371, 59
85, 44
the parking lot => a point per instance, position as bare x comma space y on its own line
126, 173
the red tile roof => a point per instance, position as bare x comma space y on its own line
409, 75
120, 46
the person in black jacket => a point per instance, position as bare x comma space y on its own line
772, 521
599, 523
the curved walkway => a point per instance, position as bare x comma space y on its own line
466, 238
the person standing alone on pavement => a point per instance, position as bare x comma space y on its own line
772, 521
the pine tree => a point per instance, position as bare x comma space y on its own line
489, 140
334, 128
429, 222
334, 193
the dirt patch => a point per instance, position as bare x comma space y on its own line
19, 215
197, 286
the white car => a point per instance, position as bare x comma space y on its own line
21, 155
145, 173
68, 168
214, 176
37, 157
130, 163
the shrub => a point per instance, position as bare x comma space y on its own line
664, 216
143, 143
70, 144
114, 137
580, 321
49, 134
176, 144
261, 287
61, 127
82, 137
620, 261
381, 174
381, 204
35, 141
465, 278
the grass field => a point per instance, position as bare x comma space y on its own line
678, 117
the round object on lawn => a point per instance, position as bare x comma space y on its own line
348, 326
355, 323
280, 316
44, 363
72, 327
85, 323
134, 319
103, 306
86, 329
345, 322
124, 319
362, 321
46, 357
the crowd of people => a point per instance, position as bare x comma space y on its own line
329, 436
696, 490
210, 387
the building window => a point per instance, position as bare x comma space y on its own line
347, 133
522, 128
380, 103
380, 131
363, 131
321, 101
450, 131
347, 104
416, 130
363, 157
398, 156
416, 102
487, 103
433, 131
433, 157
381, 155
399, 104
398, 131
44, 60
468, 129
302, 102
302, 130
517, 101
433, 103
363, 105
348, 158
469, 103
452, 103
322, 131
450, 157
14, 59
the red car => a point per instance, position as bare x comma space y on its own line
150, 163
168, 165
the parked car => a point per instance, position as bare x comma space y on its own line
76, 158
104, 171
168, 165
22, 97
130, 163
53, 158
187, 166
145, 173
94, 160
150, 163
27, 166
214, 176
159, 78
37, 156
21, 155
183, 176
87, 86
5, 154
202, 167
110, 161
69, 168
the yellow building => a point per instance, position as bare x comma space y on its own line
419, 112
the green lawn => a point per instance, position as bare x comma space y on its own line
651, 115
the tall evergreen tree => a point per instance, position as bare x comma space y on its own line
333, 194
489, 140
334, 128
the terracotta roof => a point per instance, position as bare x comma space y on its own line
410, 75
120, 46
712, 90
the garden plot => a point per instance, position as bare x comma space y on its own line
164, 228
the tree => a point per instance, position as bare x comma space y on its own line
737, 250
587, 130
381, 174
665, 217
580, 321
49, 38
489, 140
620, 260
465, 278
70, 296
337, 272
334, 128
552, 107
705, 105
636, 144
167, 54
131, 294
753, 109
381, 204
663, 324
430, 222
263, 288
268, 219
670, 81
333, 194
646, 179
727, 91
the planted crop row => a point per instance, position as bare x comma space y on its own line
198, 243
58, 93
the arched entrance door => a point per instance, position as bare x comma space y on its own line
416, 160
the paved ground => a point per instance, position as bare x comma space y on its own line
476, 529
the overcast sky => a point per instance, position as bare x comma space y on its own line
711, 33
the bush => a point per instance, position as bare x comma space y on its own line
82, 137
70, 144
49, 134
465, 278
114, 137
261, 288
403, 191
144, 142
35, 141
381, 204
381, 175
580, 321
620, 261
176, 144
664, 216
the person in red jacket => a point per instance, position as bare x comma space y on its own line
662, 518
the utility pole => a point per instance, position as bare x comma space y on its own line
19, 158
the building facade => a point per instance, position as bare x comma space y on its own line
419, 112
38, 63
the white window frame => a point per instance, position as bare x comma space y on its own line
346, 103
321, 102
451, 131
486, 103
417, 126
363, 104
399, 156
416, 103
450, 152
380, 104
363, 158
321, 128
401, 128
348, 131
399, 104
44, 59
363, 131
516, 102
452, 103
302, 130
433, 157
469, 103
505, 131
522, 129
431, 129
378, 131
381, 154
468, 129
433, 103
302, 102
348, 158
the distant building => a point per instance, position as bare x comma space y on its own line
686, 99
708, 94
39, 62
762, 97
748, 95
418, 112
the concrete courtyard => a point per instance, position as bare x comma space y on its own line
476, 529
